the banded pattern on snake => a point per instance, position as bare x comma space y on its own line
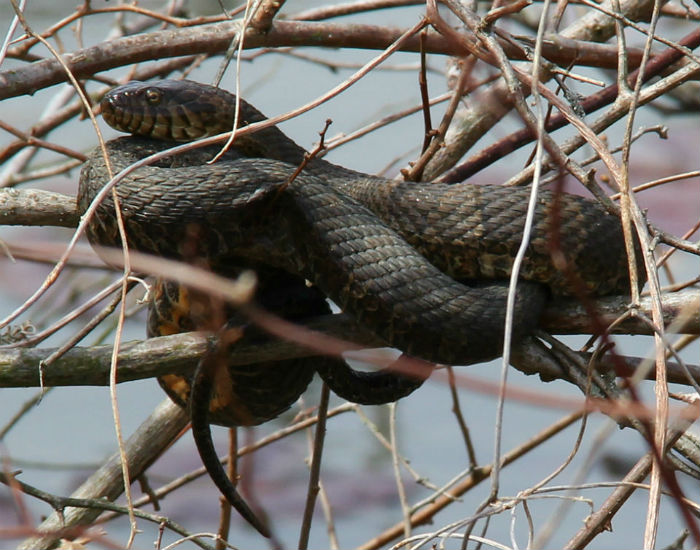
421, 265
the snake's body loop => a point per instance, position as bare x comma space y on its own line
421, 265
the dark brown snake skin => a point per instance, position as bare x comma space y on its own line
422, 265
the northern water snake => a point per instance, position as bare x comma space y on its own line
410, 261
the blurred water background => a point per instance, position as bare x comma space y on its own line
64, 437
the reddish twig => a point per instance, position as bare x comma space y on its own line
308, 157
592, 103
425, 98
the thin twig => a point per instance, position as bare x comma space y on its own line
315, 469
152, 437
95, 504
396, 466
472, 480
457, 410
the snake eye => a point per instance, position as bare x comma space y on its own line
153, 96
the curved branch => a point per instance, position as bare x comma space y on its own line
206, 39
215, 38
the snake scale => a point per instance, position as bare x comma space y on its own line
422, 265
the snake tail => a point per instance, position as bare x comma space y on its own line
199, 415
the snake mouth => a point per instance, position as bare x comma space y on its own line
110, 113
120, 112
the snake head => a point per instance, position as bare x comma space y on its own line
183, 110
174, 110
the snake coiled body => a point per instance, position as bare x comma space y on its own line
399, 257
421, 265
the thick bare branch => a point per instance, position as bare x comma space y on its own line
37, 207
205, 39
179, 353
215, 38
